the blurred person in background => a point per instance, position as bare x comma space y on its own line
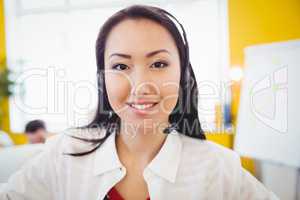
36, 131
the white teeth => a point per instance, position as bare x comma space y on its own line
142, 106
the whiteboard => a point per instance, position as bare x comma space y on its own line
268, 124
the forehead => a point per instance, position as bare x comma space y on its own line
139, 35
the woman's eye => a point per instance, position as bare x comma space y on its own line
119, 67
159, 64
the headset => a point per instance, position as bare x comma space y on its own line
173, 126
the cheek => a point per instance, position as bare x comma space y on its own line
169, 94
118, 89
169, 90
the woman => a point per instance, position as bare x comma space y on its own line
145, 141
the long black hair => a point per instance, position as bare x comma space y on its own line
184, 117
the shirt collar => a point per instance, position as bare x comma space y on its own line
165, 164
106, 156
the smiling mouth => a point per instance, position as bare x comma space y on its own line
144, 106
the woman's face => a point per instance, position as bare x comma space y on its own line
142, 72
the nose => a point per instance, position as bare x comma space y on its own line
142, 83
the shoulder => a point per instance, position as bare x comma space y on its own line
201, 151
209, 164
69, 140
194, 144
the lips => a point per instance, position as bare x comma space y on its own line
142, 106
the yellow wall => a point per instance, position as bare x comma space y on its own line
17, 138
4, 106
259, 21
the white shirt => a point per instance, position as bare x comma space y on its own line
184, 168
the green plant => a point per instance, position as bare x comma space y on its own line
6, 86
5, 83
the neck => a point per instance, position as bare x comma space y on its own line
139, 143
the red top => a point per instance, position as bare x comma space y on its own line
113, 194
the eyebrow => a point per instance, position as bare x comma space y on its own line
148, 55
